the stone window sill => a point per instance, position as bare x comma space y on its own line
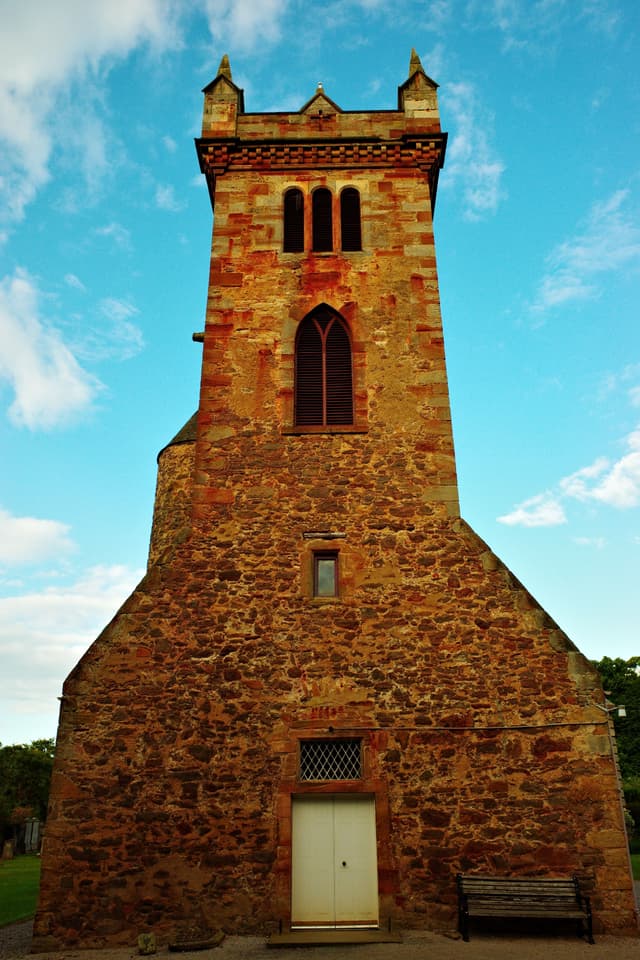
298, 431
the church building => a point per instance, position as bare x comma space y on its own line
327, 696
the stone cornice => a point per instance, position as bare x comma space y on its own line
216, 156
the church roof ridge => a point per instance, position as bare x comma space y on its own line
320, 96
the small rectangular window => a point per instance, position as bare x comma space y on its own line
330, 760
325, 573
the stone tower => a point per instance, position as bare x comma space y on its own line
327, 696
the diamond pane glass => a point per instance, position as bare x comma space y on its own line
330, 760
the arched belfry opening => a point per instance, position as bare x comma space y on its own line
323, 370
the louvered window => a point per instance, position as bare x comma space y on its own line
293, 221
322, 220
350, 219
330, 760
324, 383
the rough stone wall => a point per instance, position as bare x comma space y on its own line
180, 728
172, 505
179, 733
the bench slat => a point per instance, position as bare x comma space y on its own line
513, 910
534, 898
527, 886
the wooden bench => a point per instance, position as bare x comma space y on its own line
523, 897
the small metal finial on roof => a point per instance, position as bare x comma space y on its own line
224, 69
319, 88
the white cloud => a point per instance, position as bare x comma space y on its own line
472, 162
617, 484
371, 4
601, 16
115, 231
611, 382
608, 242
169, 144
166, 199
86, 142
42, 636
600, 97
613, 484
77, 611
538, 25
561, 286
28, 540
49, 385
46, 48
543, 510
54, 59
575, 484
435, 61
440, 14
125, 337
118, 311
44, 43
74, 282
112, 334
245, 24
598, 542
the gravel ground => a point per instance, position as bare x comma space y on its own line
15, 942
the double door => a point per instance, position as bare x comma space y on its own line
334, 878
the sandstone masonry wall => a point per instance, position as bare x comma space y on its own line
484, 744
172, 506
180, 732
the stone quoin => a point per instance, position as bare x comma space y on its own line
327, 696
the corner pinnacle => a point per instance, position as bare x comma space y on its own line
415, 63
224, 70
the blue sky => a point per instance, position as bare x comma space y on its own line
104, 244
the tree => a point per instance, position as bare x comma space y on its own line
621, 681
25, 775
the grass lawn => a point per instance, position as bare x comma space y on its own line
19, 884
635, 862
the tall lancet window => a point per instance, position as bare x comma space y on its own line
351, 232
293, 221
322, 203
324, 377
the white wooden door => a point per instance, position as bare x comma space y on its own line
334, 871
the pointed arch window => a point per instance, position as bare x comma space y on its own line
321, 206
350, 229
323, 371
293, 221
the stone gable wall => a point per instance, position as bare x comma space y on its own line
180, 730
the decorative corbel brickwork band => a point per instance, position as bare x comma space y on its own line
217, 156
